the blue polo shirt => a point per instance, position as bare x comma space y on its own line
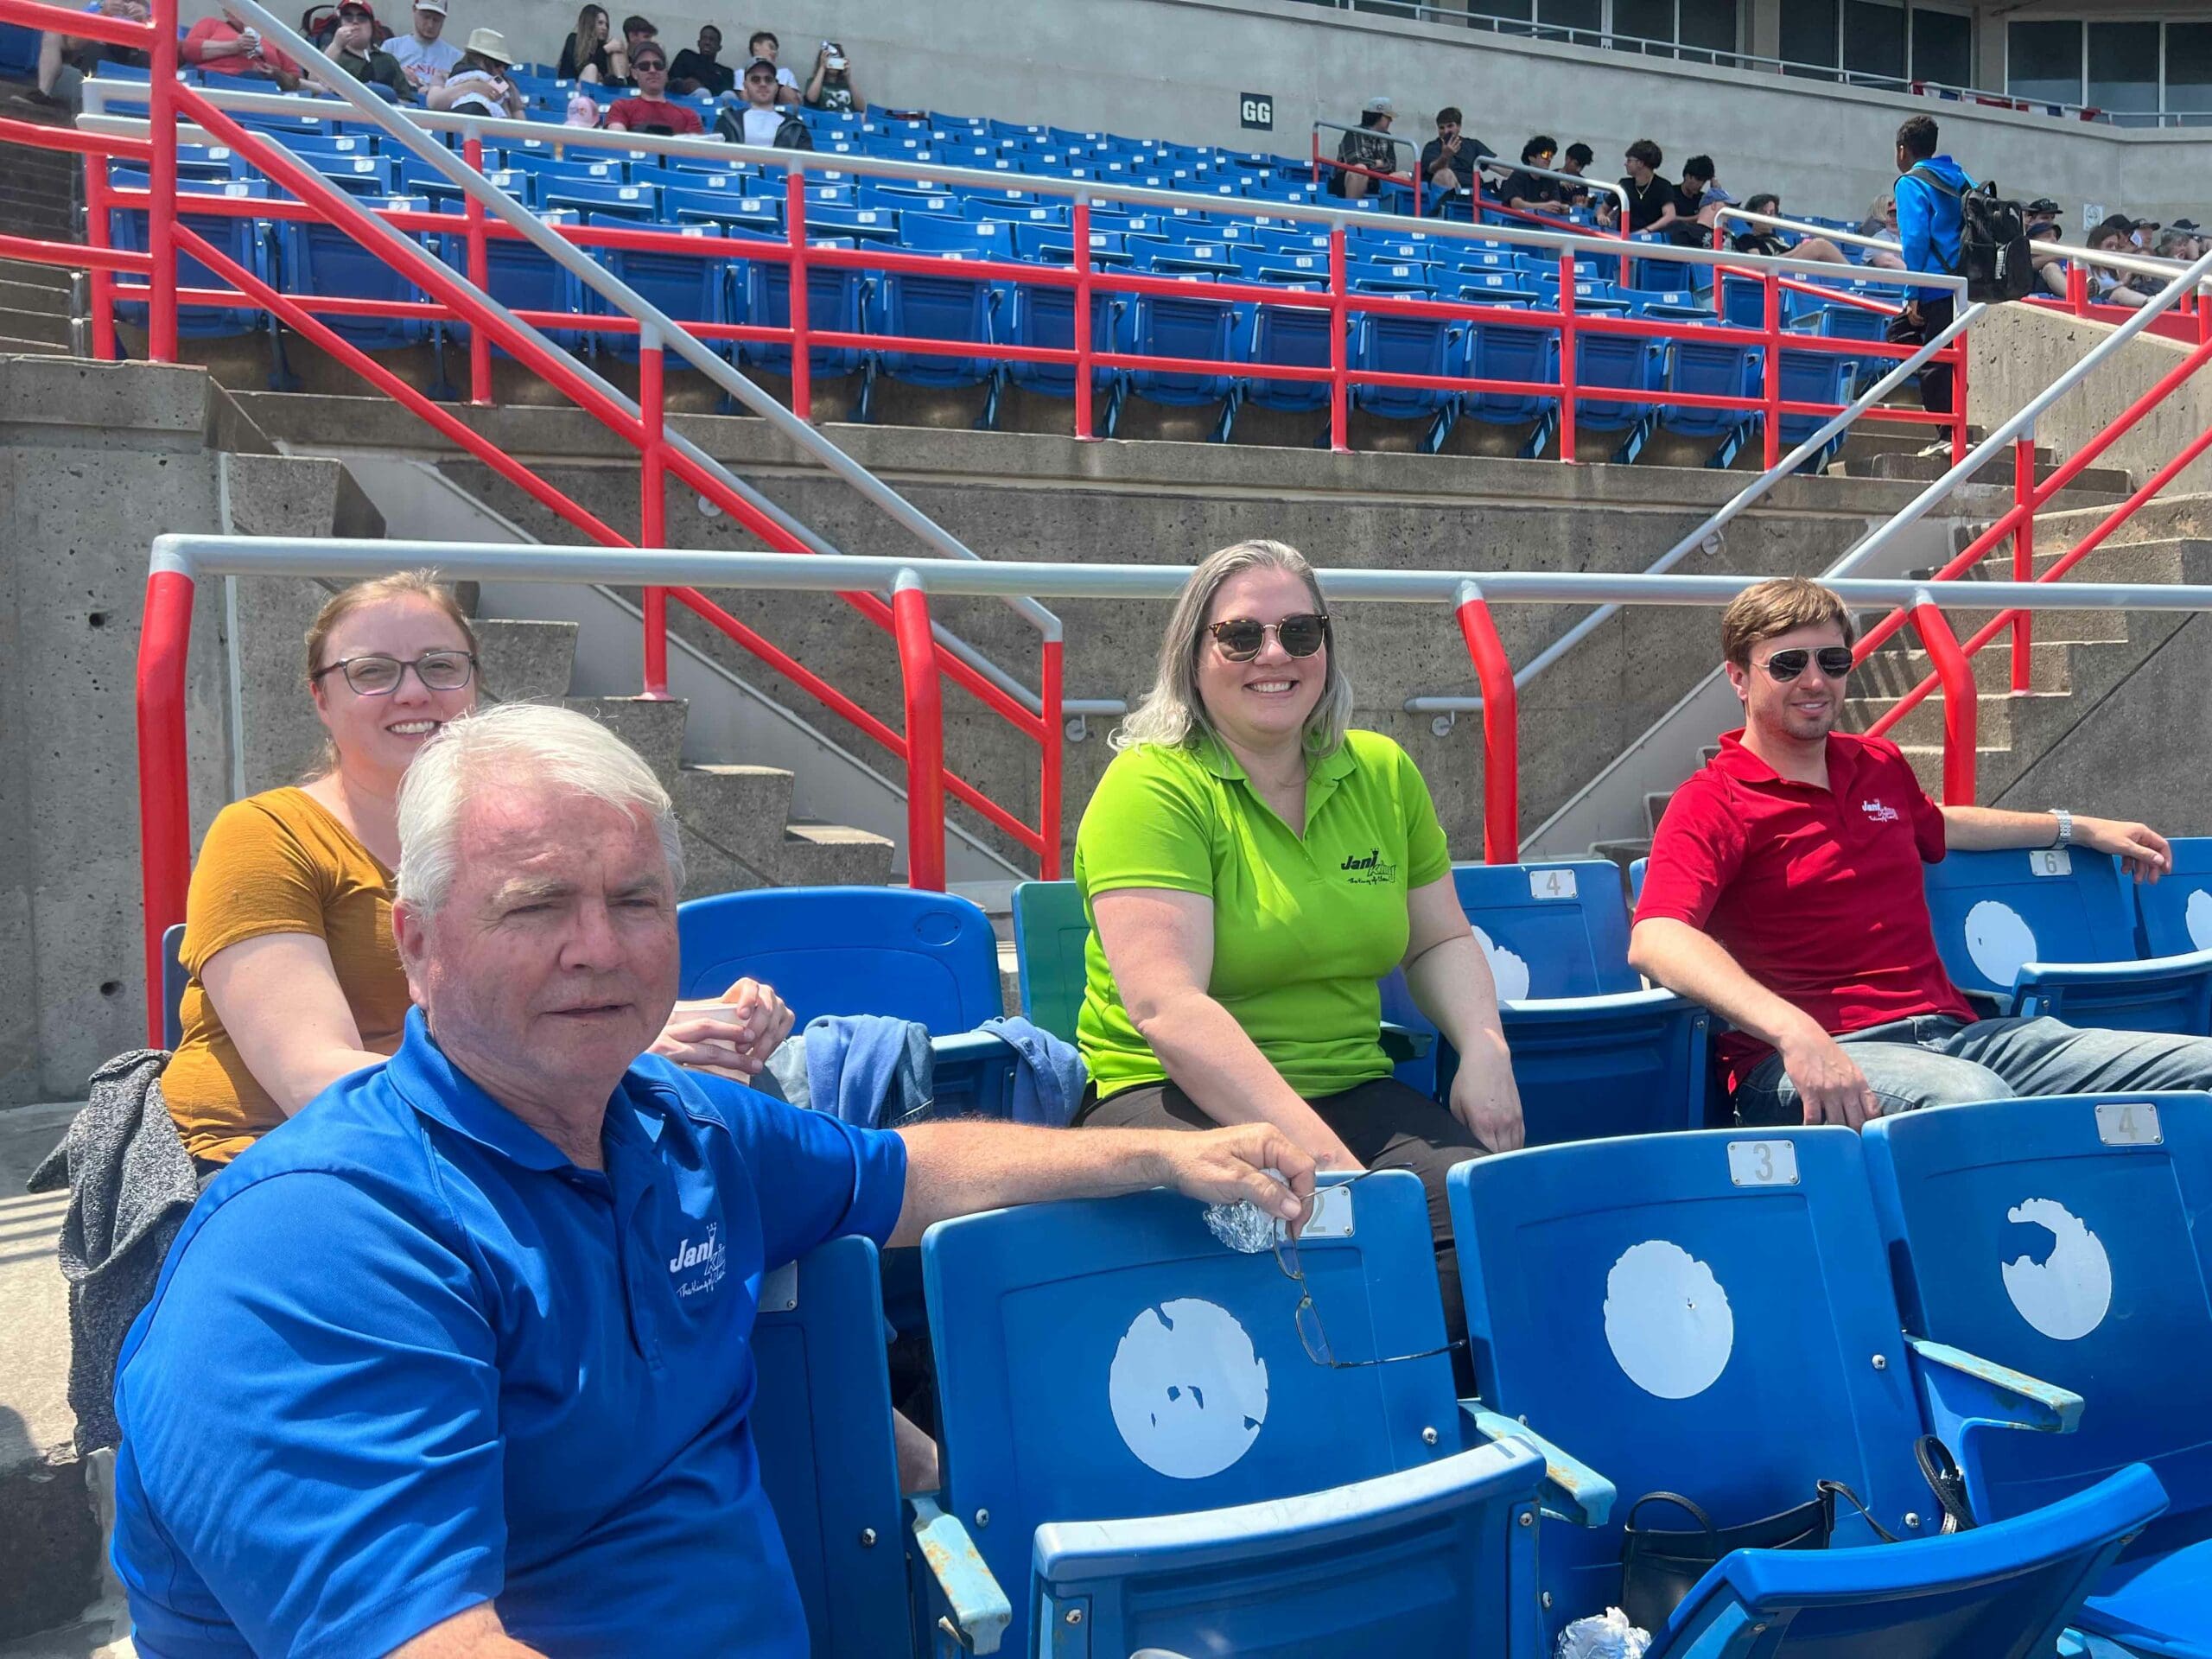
405, 1357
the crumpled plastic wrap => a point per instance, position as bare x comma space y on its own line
1609, 1636
1243, 1226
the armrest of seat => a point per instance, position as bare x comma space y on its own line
1551, 1009
966, 1048
1573, 1490
1960, 1388
1403, 1043
2175, 967
979, 1611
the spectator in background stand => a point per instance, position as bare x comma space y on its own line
1369, 147
1697, 198
2116, 234
649, 109
2043, 226
2183, 240
1757, 238
479, 84
65, 60
831, 86
228, 45
636, 31
764, 44
700, 68
427, 58
1529, 193
1930, 220
1450, 161
586, 56
1577, 161
1651, 198
353, 48
757, 120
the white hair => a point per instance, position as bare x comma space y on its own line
517, 745
1173, 713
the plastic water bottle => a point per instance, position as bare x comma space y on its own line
1609, 1636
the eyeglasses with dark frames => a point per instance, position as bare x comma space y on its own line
1786, 665
374, 676
1311, 1336
1240, 639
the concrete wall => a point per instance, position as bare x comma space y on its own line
1175, 68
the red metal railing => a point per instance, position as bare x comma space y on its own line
2188, 321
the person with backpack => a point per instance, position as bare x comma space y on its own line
1931, 219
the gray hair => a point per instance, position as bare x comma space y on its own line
515, 745
1173, 713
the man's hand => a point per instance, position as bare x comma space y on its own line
732, 1035
1485, 1098
2141, 850
1230, 1165
1829, 1083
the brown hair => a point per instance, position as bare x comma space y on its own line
400, 584
1781, 606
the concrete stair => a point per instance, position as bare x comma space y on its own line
1913, 466
37, 305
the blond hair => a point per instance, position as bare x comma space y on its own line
1783, 605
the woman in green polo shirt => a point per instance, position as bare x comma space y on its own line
1251, 868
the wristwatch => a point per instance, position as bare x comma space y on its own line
2065, 836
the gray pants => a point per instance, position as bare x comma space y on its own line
1934, 1060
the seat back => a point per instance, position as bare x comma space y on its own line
1050, 932
1994, 912
2174, 915
173, 978
821, 1422
1113, 1358
1704, 1313
2065, 1238
1550, 930
1508, 351
930, 957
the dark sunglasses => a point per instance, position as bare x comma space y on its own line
1787, 665
1241, 639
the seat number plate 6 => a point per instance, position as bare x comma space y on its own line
2051, 860
1763, 1163
2129, 1123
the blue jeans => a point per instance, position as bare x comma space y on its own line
1934, 1060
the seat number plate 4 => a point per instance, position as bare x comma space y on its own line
2129, 1123
2051, 860
1763, 1163
1551, 884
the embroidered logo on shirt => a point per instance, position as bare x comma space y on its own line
1880, 813
697, 1269
1373, 871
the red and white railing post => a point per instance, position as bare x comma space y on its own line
910, 616
795, 238
2023, 554
1054, 736
480, 273
1082, 321
1339, 361
1960, 442
653, 501
160, 209
1962, 725
164, 789
1770, 382
1567, 363
1501, 727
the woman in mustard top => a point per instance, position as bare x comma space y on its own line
295, 979
1251, 868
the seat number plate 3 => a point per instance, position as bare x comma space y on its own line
1763, 1163
2129, 1123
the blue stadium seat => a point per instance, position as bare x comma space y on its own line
1711, 1314
1814, 377
833, 302
2053, 933
315, 258
924, 306
1172, 325
746, 213
636, 202
173, 978
689, 288
359, 175
1512, 351
1163, 1466
1018, 213
2066, 1237
1594, 1053
2174, 914
821, 1423
1040, 316
522, 279
247, 241
1711, 369
1620, 360
1382, 344
1292, 336
970, 238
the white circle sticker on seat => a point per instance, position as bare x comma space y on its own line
1511, 971
1999, 942
1186, 1390
2068, 1293
1667, 1320
2198, 916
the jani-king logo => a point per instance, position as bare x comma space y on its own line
697, 1269
1878, 812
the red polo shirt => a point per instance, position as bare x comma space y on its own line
655, 114
1816, 893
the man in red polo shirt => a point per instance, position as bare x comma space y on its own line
649, 109
1785, 893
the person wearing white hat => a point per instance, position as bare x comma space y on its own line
1369, 148
480, 85
427, 59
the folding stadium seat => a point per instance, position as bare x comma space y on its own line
1041, 316
1182, 258
688, 289
1177, 326
247, 241
1491, 288
522, 278
553, 169
629, 201
2174, 915
925, 305
359, 175
1382, 344
966, 239
1813, 378
2054, 933
1378, 278
1709, 369
1626, 363
1711, 1314
2065, 1238
1165, 1467
1527, 353
1265, 265
1053, 245
1292, 336
871, 224
1677, 305
315, 258
762, 214
215, 163
909, 199
1594, 1052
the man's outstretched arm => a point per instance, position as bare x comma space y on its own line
958, 1168
1691, 963
2142, 851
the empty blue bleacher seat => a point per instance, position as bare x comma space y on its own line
246, 241
1382, 344
1711, 369
925, 305
1814, 377
689, 287
2054, 933
1176, 326
1162, 1466
2066, 1237
1289, 336
315, 258
2174, 914
1042, 316
1712, 1314
1526, 352
833, 302
522, 279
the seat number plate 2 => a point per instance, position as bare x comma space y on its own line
1763, 1163
2129, 1123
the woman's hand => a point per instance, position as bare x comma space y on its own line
731, 1035
1485, 1098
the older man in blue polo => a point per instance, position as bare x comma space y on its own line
457, 1361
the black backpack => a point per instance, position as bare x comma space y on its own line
1993, 254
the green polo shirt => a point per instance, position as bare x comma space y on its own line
1303, 926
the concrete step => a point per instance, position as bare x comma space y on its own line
1654, 807
2161, 560
1623, 852
1925, 469
1990, 765
737, 819
12, 346
35, 298
524, 662
25, 274
1923, 722
651, 726
1896, 670
37, 327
